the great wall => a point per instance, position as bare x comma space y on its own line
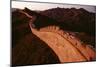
67, 47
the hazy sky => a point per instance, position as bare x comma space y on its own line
45, 6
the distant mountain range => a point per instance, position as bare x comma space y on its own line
75, 19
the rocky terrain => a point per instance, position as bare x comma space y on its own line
56, 35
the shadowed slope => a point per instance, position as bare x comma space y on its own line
27, 48
31, 50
